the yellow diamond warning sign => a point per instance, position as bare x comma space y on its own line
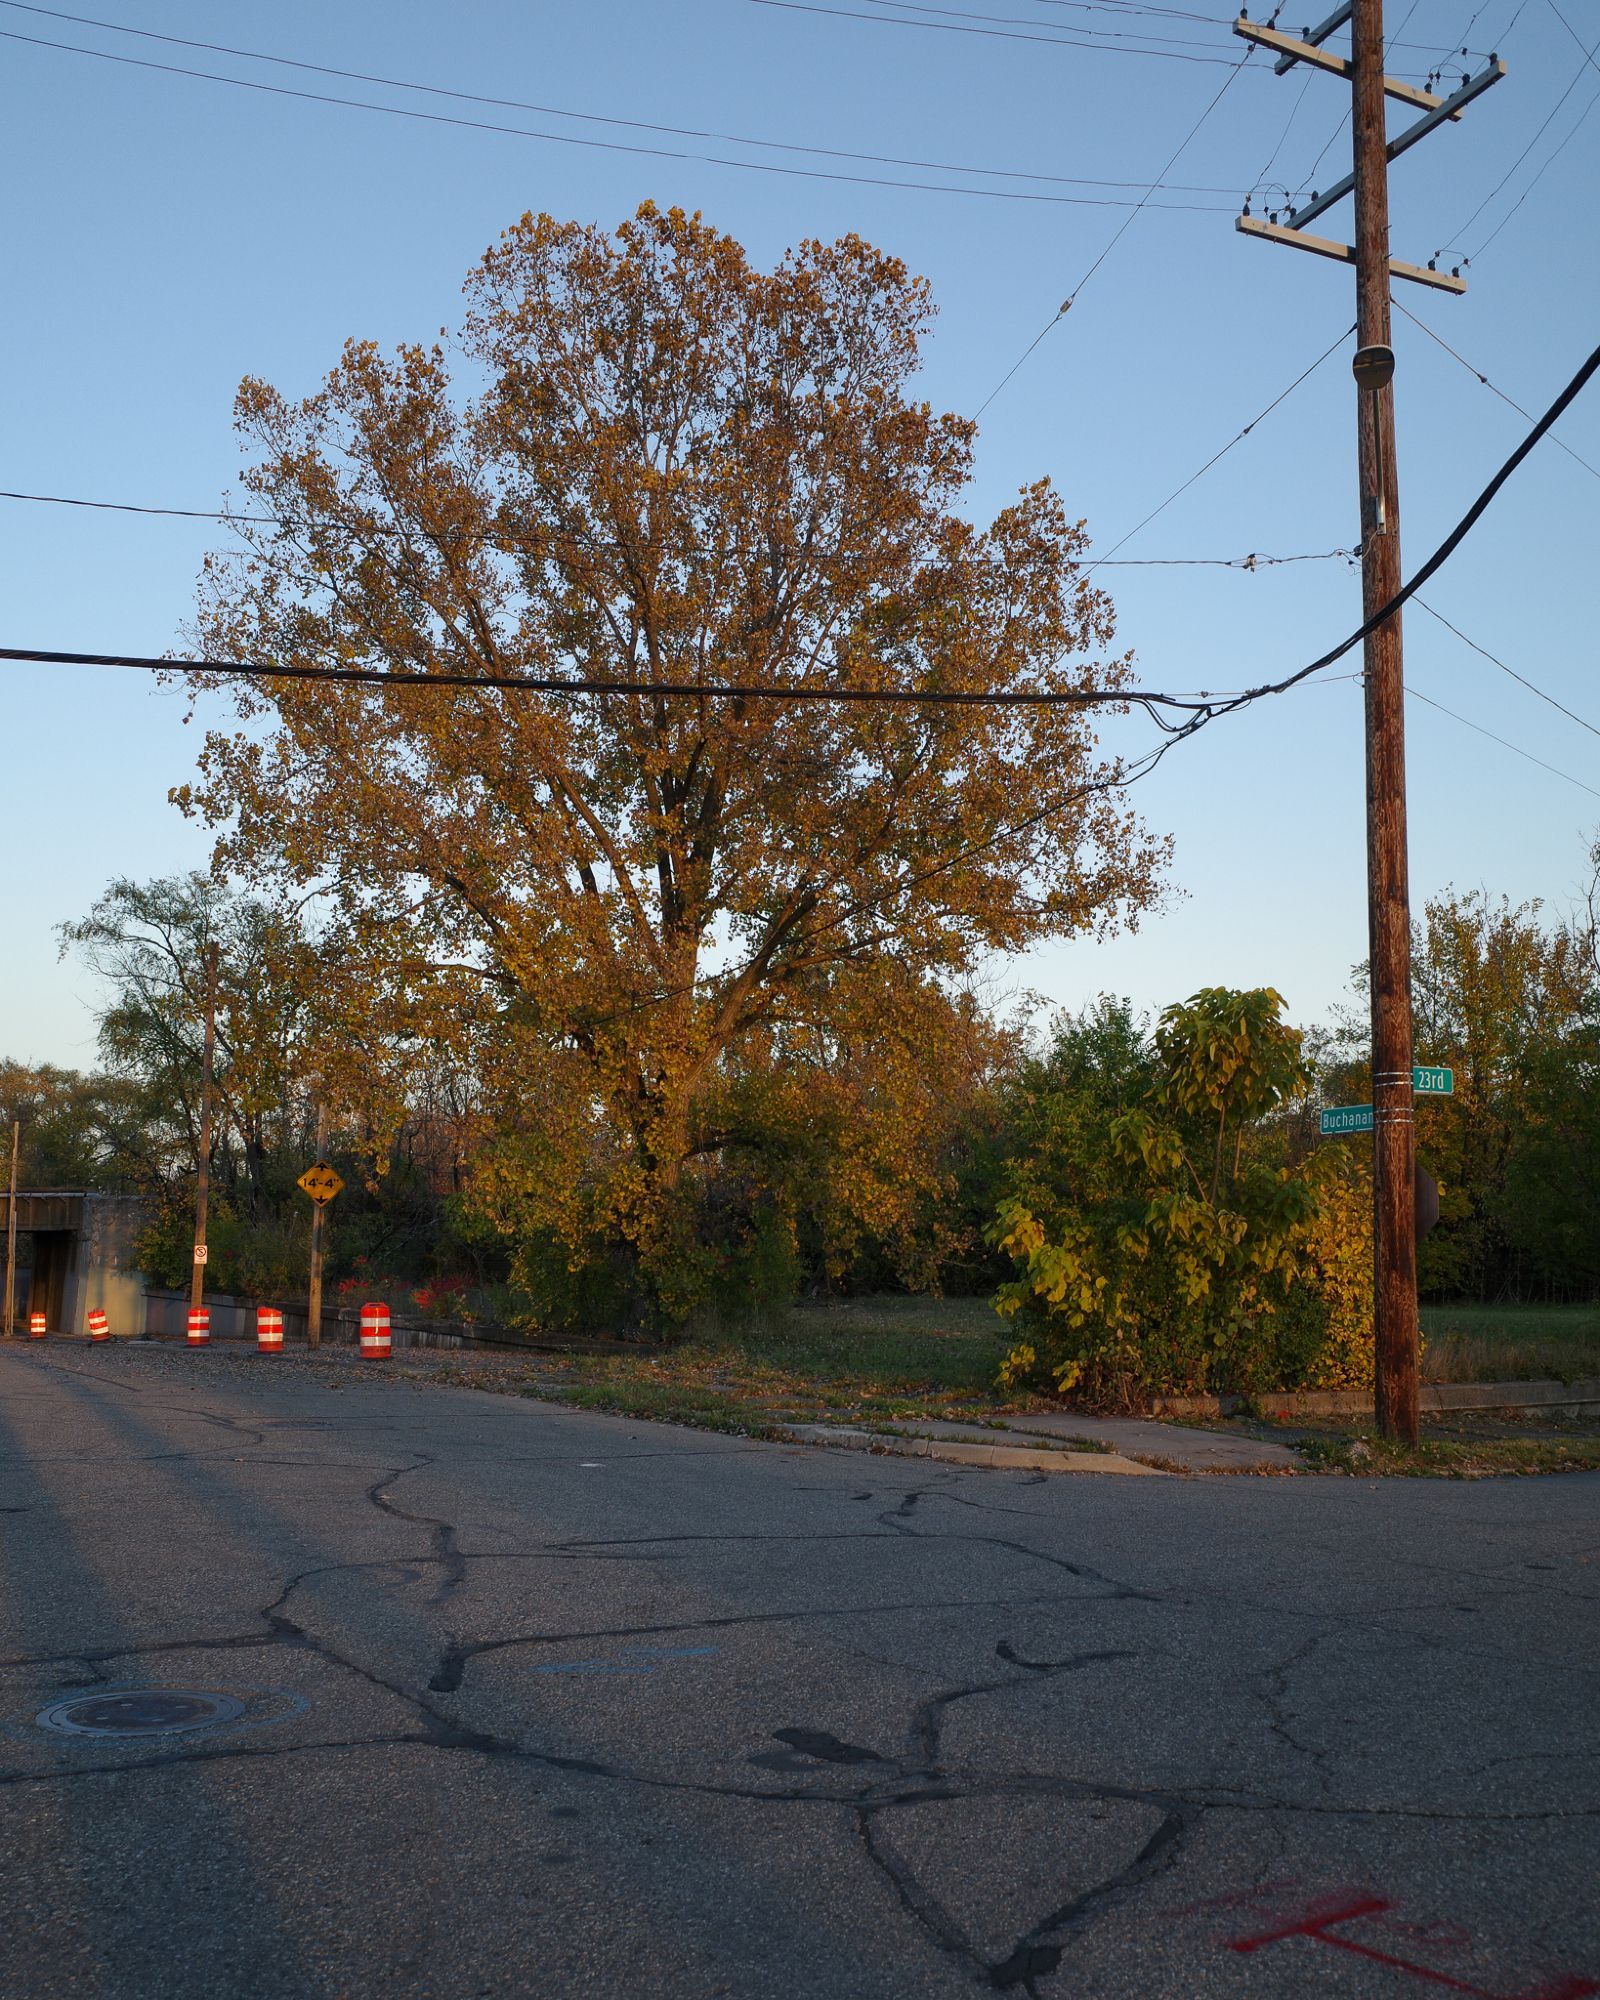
321, 1182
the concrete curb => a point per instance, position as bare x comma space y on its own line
1015, 1458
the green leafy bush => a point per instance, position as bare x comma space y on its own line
1161, 1245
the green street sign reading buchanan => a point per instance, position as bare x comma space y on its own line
1346, 1118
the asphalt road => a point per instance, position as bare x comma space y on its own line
529, 1701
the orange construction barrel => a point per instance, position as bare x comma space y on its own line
375, 1331
99, 1325
199, 1326
36, 1326
269, 1330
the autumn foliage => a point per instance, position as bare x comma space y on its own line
703, 957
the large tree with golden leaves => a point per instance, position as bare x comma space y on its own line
644, 915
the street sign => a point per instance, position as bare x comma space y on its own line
199, 1253
1346, 1118
1429, 1080
321, 1183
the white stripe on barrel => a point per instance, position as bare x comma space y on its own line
269, 1330
99, 1325
199, 1326
375, 1330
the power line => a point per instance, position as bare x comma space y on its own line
1158, 42
1554, 154
1067, 303
1434, 563
1254, 561
1509, 401
1203, 707
1521, 679
1588, 57
135, 507
997, 34
571, 139
585, 117
1417, 695
1237, 438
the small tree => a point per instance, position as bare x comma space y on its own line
1166, 1259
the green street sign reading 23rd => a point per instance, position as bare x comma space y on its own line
1430, 1080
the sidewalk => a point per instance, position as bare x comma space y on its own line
1061, 1444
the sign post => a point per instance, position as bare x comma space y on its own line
11, 1231
322, 1184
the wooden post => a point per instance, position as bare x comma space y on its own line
11, 1232
202, 1190
1388, 890
314, 1288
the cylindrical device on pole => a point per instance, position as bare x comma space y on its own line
375, 1331
99, 1325
269, 1330
36, 1326
199, 1326
1388, 889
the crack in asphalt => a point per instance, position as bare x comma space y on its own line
445, 1551
890, 1782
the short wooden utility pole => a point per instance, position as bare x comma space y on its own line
1394, 1235
202, 1188
314, 1288
11, 1232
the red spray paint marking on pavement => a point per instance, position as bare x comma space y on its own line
1317, 1920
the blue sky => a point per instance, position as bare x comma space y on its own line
167, 235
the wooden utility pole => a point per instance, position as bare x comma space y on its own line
1394, 1236
202, 1186
314, 1288
11, 1232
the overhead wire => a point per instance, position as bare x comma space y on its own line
1543, 127
1434, 563
573, 139
1416, 694
1070, 300
913, 7
583, 117
1554, 154
1255, 560
997, 34
1494, 660
1237, 438
1203, 706
1510, 401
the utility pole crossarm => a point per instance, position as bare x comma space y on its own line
1293, 50
1325, 246
1449, 107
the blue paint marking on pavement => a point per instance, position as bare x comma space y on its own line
631, 1660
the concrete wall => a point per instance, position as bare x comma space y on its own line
101, 1272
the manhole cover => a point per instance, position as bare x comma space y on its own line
140, 1712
